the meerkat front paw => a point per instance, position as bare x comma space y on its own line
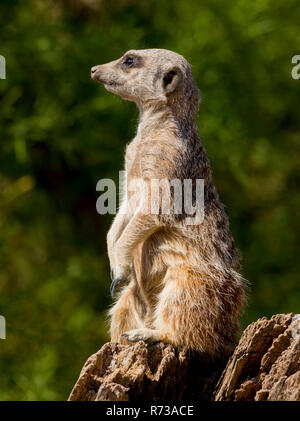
135, 335
119, 276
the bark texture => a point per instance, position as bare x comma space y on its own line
266, 363
264, 366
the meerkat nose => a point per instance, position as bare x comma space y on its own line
93, 69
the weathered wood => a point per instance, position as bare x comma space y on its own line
266, 363
264, 366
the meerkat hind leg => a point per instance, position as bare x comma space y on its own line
183, 315
126, 314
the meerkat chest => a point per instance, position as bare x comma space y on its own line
151, 158
136, 152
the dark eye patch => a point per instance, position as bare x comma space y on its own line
131, 61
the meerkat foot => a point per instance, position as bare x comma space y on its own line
144, 334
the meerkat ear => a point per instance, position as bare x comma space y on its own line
171, 80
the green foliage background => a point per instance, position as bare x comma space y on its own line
61, 132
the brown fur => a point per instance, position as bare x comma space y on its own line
183, 286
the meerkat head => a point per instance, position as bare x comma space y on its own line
151, 77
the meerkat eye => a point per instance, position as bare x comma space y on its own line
129, 61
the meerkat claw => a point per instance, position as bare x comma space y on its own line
114, 286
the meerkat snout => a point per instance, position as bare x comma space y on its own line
94, 72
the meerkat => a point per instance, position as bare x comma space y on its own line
178, 283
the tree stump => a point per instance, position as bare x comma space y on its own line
264, 366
